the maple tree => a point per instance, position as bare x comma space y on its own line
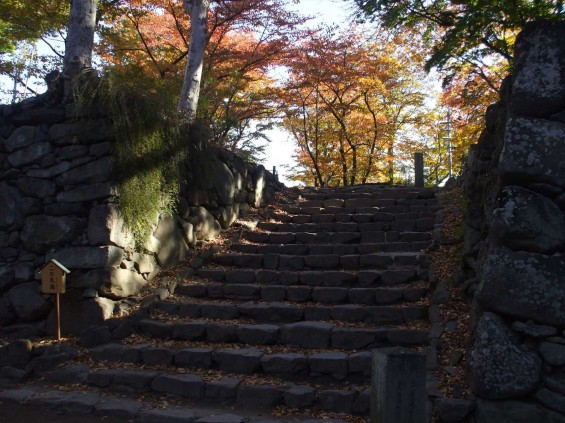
347, 101
246, 39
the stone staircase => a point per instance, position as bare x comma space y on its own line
288, 315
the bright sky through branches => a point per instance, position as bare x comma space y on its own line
324, 12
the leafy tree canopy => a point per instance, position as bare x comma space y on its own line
463, 32
22, 20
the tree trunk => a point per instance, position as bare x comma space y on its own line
198, 11
80, 36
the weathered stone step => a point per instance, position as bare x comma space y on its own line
366, 201
102, 404
317, 367
327, 278
228, 390
324, 295
194, 389
341, 249
323, 261
380, 216
370, 237
278, 312
369, 192
385, 207
305, 334
408, 225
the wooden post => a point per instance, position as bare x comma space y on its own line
58, 313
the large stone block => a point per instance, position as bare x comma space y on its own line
49, 172
90, 192
83, 131
205, 225
30, 154
538, 87
23, 137
524, 285
527, 221
43, 232
87, 257
38, 116
12, 215
36, 187
27, 301
533, 152
7, 277
515, 411
228, 215
173, 247
117, 282
89, 173
7, 313
107, 227
259, 186
499, 367
124, 283
224, 184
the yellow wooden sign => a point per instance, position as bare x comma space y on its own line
53, 277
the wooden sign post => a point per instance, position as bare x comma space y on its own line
53, 277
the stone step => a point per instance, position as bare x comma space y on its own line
326, 278
304, 334
380, 216
341, 249
408, 225
323, 261
195, 389
367, 200
299, 366
279, 312
302, 294
369, 237
230, 390
385, 206
369, 192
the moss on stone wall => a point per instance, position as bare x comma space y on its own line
150, 143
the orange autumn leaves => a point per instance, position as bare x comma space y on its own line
247, 38
348, 102
353, 100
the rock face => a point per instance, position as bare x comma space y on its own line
539, 84
498, 367
524, 286
515, 238
60, 201
41, 232
533, 152
528, 221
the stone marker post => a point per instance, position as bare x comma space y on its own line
419, 169
398, 386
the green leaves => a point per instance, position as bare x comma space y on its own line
22, 20
467, 31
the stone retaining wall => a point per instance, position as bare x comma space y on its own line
515, 239
59, 201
